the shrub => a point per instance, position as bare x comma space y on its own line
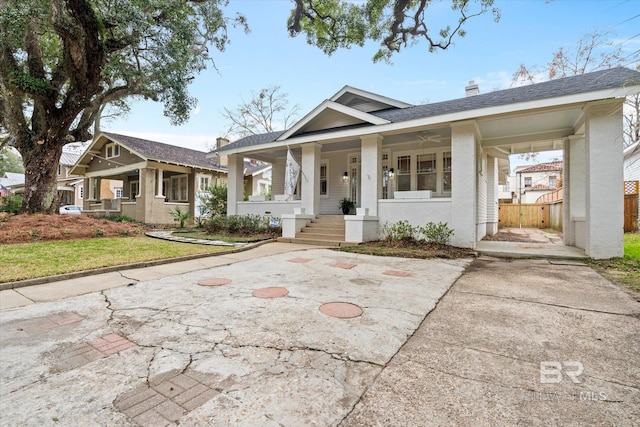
179, 215
214, 200
11, 204
243, 225
401, 230
439, 233
121, 218
99, 232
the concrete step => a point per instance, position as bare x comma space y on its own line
333, 228
306, 235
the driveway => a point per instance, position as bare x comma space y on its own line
240, 344
224, 346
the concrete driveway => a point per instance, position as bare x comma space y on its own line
223, 346
219, 346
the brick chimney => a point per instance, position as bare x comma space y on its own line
472, 89
221, 142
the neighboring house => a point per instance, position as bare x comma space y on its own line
11, 182
443, 161
69, 186
258, 178
156, 178
531, 182
632, 165
632, 162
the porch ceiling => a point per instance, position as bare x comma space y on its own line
504, 134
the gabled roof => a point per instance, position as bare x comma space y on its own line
69, 159
591, 86
155, 151
12, 178
542, 167
365, 101
633, 148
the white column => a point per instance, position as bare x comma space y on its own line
492, 195
574, 191
371, 172
159, 179
311, 178
463, 184
235, 183
604, 179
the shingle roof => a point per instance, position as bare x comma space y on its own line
540, 187
598, 80
167, 153
543, 167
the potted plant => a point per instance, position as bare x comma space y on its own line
346, 204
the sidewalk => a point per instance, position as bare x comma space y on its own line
57, 290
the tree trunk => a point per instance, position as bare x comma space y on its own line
41, 176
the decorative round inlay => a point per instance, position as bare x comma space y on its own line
341, 310
214, 282
270, 292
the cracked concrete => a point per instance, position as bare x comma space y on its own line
276, 361
476, 358
217, 356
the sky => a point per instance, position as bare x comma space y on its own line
528, 32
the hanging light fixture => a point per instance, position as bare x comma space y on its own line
391, 174
345, 176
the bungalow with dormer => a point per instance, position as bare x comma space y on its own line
442, 162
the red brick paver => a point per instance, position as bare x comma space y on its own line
166, 402
344, 265
214, 282
83, 353
299, 260
397, 273
342, 310
47, 323
270, 292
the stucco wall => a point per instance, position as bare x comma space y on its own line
418, 213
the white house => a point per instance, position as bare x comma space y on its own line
632, 162
533, 181
443, 161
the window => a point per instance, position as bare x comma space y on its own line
59, 169
527, 181
423, 171
204, 183
404, 173
427, 172
553, 181
324, 191
446, 172
179, 188
134, 186
117, 193
112, 150
81, 191
93, 188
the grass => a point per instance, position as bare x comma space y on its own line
30, 260
623, 271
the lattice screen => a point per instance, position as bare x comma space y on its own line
631, 187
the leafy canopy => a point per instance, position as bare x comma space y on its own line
334, 24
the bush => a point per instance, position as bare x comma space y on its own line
179, 215
401, 230
214, 200
11, 204
242, 225
121, 218
439, 233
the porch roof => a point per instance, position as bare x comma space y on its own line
597, 85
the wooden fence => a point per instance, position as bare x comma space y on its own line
531, 215
630, 206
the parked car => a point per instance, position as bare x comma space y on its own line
70, 210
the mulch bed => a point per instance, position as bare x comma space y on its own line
41, 227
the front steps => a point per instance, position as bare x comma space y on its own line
326, 230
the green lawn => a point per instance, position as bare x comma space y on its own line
623, 271
29, 260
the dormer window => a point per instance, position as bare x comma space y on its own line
112, 150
